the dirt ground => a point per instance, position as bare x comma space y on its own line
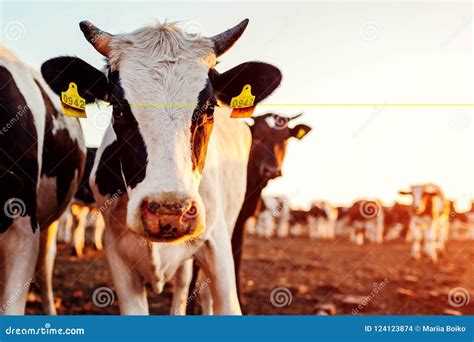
302, 276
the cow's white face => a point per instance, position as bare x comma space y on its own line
163, 107
163, 88
417, 194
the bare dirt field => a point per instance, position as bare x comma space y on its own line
305, 276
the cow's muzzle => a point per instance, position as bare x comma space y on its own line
168, 222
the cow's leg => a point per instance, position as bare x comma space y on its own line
216, 260
19, 248
313, 228
431, 241
45, 265
443, 235
205, 297
64, 227
99, 231
80, 231
182, 280
416, 236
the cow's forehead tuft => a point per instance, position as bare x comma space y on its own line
158, 43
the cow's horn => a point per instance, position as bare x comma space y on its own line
225, 40
295, 116
99, 39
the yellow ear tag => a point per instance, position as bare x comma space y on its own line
242, 105
300, 134
73, 104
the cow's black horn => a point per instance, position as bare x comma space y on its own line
99, 39
225, 40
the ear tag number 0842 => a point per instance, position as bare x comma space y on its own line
73, 104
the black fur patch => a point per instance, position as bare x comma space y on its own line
62, 156
18, 151
108, 175
60, 71
84, 191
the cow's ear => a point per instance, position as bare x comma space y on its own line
299, 131
263, 79
60, 71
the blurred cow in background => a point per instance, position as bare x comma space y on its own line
322, 220
459, 227
82, 213
429, 221
366, 221
342, 219
274, 217
396, 221
298, 222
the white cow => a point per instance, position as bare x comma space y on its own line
429, 222
273, 218
180, 162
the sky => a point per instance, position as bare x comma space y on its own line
344, 52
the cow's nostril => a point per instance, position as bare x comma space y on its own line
154, 206
191, 211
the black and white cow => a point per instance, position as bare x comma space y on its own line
180, 163
322, 221
365, 221
429, 221
42, 156
273, 218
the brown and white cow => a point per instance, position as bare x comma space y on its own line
180, 163
429, 221
42, 157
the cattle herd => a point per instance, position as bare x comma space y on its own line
172, 188
426, 224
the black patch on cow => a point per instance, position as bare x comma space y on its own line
108, 175
130, 146
202, 123
18, 152
84, 192
62, 156
263, 78
60, 71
